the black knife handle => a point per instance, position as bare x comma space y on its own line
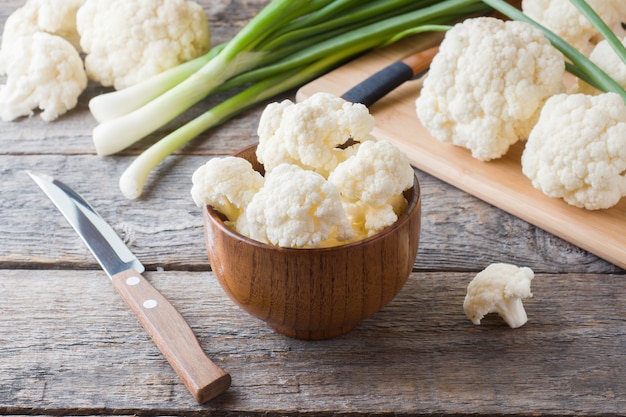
378, 85
375, 87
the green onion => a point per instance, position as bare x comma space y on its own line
602, 27
289, 43
133, 179
276, 51
580, 66
118, 103
235, 57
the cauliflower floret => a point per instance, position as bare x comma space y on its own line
487, 84
56, 17
577, 150
226, 184
296, 208
309, 133
499, 288
43, 71
563, 18
129, 41
371, 183
604, 56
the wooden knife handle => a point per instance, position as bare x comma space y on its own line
173, 336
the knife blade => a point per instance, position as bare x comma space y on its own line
167, 327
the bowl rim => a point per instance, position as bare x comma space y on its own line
216, 217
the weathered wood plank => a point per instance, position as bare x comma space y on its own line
72, 346
164, 229
68, 344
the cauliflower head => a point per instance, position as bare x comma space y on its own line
371, 183
499, 288
564, 19
43, 71
577, 150
227, 184
487, 84
56, 17
296, 208
128, 41
309, 133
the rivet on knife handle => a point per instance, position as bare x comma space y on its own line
375, 87
168, 329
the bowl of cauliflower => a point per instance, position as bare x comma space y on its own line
319, 238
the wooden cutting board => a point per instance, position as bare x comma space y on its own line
499, 182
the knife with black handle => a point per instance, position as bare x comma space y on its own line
376, 86
168, 329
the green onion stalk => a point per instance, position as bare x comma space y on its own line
263, 41
602, 27
235, 57
279, 53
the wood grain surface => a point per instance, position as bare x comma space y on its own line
80, 350
69, 345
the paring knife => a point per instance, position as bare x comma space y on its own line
168, 329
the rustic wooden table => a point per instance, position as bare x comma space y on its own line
69, 344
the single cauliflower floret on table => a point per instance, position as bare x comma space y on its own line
499, 288
226, 184
309, 133
43, 71
296, 208
564, 19
56, 17
167, 32
487, 84
577, 150
371, 183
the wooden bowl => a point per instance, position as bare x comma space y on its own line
313, 293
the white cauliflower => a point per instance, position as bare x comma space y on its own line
309, 133
577, 150
564, 19
605, 57
371, 183
296, 205
296, 208
487, 84
43, 71
129, 41
499, 288
56, 17
226, 184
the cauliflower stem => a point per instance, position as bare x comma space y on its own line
287, 44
